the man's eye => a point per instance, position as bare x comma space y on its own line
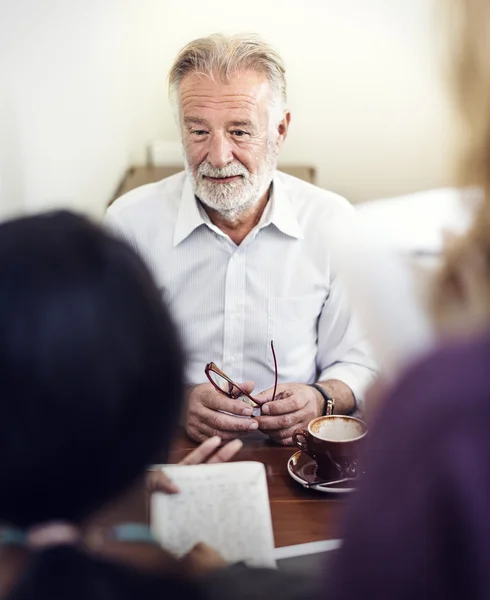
199, 132
239, 133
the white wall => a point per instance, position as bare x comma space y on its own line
64, 114
364, 84
83, 90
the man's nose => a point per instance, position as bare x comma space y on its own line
220, 153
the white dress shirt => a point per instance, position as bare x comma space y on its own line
230, 301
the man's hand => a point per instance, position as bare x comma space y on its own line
207, 452
204, 420
296, 404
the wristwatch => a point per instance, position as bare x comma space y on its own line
329, 405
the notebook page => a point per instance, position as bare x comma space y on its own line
223, 505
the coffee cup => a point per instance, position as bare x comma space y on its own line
334, 442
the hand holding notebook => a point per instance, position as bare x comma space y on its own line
226, 506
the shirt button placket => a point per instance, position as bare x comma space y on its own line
234, 322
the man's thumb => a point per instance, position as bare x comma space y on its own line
247, 386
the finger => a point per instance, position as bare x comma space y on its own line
228, 423
202, 559
291, 404
202, 550
280, 442
158, 481
227, 452
198, 547
266, 395
197, 433
208, 430
216, 401
283, 437
288, 421
202, 452
246, 386
284, 434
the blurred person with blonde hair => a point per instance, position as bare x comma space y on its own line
461, 298
239, 251
419, 524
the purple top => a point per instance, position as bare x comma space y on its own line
419, 525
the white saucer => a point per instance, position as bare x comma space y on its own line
302, 469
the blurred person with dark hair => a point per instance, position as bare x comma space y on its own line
91, 387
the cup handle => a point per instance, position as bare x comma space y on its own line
300, 437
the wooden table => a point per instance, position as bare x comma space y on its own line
298, 515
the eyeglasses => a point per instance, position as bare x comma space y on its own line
228, 387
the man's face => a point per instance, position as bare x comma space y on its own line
230, 149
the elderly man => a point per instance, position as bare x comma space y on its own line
240, 252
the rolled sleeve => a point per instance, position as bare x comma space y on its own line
357, 376
343, 352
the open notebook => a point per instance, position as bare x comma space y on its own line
224, 505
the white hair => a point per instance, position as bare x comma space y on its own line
221, 57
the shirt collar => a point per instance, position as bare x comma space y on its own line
279, 211
189, 216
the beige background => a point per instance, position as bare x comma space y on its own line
84, 91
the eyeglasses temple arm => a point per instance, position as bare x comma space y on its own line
275, 370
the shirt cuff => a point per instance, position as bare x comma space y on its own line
358, 378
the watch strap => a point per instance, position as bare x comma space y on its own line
329, 405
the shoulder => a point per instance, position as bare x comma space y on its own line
148, 202
442, 397
306, 196
425, 485
455, 368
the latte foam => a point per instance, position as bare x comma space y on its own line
338, 429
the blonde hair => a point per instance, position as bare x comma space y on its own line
470, 78
220, 56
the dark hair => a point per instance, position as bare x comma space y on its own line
91, 369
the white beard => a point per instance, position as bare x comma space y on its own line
231, 200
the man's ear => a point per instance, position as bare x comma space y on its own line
283, 128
